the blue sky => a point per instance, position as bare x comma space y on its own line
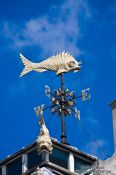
39, 29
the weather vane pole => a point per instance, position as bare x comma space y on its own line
62, 101
63, 129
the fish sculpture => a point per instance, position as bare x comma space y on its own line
60, 63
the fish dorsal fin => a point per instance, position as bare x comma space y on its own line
62, 55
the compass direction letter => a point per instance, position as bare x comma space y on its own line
47, 91
85, 94
39, 110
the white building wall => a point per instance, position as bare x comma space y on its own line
4, 170
110, 163
114, 125
24, 163
71, 162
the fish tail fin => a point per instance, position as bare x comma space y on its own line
27, 64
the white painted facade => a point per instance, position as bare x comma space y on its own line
4, 170
71, 162
110, 163
24, 163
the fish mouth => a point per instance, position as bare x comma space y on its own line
76, 69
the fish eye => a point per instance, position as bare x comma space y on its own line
72, 64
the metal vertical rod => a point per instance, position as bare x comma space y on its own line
63, 129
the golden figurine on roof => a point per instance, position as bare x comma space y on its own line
60, 63
43, 141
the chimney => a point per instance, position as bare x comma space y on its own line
113, 106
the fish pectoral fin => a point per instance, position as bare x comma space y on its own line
40, 70
61, 71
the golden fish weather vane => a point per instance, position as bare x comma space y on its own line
60, 63
63, 101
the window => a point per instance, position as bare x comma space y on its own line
34, 159
59, 157
14, 167
81, 165
0, 171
